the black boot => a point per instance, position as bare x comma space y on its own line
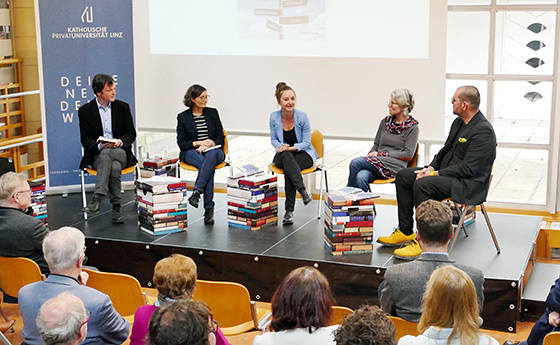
209, 216
194, 198
306, 197
93, 206
116, 215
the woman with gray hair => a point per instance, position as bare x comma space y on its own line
394, 144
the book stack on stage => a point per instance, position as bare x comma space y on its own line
162, 205
158, 166
349, 221
252, 200
470, 217
39, 201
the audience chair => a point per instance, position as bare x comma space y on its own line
338, 313
230, 304
462, 209
317, 142
123, 289
411, 164
403, 327
552, 338
91, 171
226, 162
15, 273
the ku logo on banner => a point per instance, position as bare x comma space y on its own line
87, 15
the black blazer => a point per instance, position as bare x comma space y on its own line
186, 129
471, 162
91, 128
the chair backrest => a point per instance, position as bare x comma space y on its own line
552, 338
230, 303
123, 289
317, 142
15, 273
338, 313
414, 161
225, 142
403, 327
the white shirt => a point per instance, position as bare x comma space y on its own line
439, 336
298, 336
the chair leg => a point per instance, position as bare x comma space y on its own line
319, 207
84, 202
326, 180
460, 211
456, 234
494, 238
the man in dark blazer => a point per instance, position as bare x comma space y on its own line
461, 170
401, 293
106, 117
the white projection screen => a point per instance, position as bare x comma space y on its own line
342, 57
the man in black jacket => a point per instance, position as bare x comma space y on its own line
461, 170
106, 117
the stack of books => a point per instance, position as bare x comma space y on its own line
39, 202
349, 221
162, 205
252, 200
470, 217
158, 166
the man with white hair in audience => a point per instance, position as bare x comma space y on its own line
65, 252
62, 320
21, 235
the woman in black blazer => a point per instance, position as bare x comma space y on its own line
199, 129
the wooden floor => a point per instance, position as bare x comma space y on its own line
12, 311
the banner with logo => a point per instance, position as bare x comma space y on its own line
79, 39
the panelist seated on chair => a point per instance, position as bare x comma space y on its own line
199, 131
175, 279
395, 143
400, 294
110, 118
21, 235
290, 134
461, 170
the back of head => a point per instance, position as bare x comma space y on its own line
60, 319
10, 183
471, 95
63, 248
368, 325
183, 322
434, 222
175, 276
303, 299
99, 81
450, 302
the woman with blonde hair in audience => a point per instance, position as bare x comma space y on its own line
301, 310
175, 279
449, 312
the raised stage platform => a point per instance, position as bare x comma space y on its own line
260, 259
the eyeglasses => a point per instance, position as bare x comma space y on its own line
391, 102
203, 98
23, 191
88, 313
453, 100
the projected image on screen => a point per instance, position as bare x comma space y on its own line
281, 20
301, 28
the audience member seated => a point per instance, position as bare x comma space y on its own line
394, 144
548, 322
175, 279
182, 323
401, 292
449, 312
21, 235
65, 252
62, 320
301, 310
367, 325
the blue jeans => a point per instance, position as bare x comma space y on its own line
361, 174
206, 165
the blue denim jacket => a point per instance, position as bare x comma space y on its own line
301, 127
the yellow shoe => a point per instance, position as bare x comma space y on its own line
396, 239
409, 252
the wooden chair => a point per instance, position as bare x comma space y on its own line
93, 172
552, 338
230, 304
15, 273
123, 289
4, 340
317, 142
403, 327
338, 314
226, 162
411, 164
